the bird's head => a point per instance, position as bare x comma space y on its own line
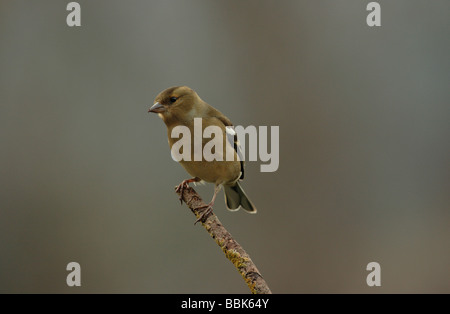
176, 103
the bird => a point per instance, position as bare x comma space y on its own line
179, 106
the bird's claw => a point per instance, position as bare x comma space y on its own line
180, 189
204, 212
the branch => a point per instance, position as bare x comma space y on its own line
233, 250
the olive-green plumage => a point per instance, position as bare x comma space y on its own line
178, 106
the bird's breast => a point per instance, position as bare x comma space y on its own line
218, 170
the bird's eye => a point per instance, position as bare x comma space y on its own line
173, 99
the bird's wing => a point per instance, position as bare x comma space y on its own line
232, 139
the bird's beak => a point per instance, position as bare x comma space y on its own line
157, 108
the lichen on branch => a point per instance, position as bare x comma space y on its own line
233, 250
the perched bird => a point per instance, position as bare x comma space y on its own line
178, 106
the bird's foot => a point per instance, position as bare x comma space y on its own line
182, 186
204, 212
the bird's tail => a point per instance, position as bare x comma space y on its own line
235, 197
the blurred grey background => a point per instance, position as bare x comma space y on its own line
86, 173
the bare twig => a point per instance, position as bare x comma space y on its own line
233, 250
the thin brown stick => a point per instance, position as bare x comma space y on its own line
233, 250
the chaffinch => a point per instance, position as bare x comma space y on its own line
178, 106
